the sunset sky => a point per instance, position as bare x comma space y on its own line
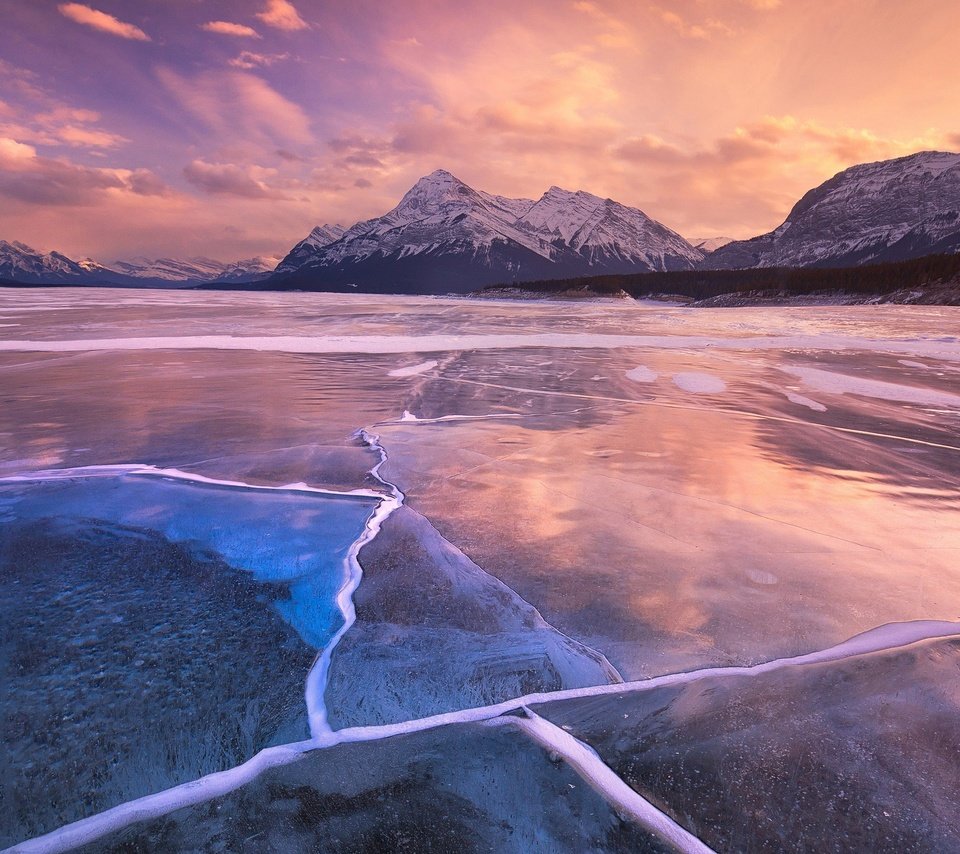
229, 128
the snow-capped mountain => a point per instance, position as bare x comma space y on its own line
875, 212
322, 235
444, 236
22, 263
709, 244
197, 269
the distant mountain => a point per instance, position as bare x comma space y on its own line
709, 244
22, 264
446, 237
195, 270
876, 212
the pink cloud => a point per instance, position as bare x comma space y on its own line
29, 177
235, 104
282, 15
102, 21
229, 179
248, 60
228, 28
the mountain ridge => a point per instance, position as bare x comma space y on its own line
889, 210
444, 235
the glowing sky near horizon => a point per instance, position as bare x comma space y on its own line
229, 128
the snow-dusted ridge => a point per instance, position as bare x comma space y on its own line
21, 263
874, 212
446, 236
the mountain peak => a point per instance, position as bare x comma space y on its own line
439, 180
433, 194
559, 193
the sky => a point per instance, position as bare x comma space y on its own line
229, 128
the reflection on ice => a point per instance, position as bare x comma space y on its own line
651, 489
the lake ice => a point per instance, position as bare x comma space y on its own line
594, 495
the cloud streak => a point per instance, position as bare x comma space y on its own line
235, 104
101, 21
228, 28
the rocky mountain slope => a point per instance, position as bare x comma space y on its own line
876, 212
444, 236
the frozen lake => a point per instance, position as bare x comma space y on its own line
591, 493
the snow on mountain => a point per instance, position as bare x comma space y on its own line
607, 233
322, 235
445, 236
22, 263
197, 269
170, 269
709, 244
886, 211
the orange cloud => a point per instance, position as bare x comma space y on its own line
228, 28
283, 15
102, 21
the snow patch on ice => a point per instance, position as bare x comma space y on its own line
642, 374
800, 400
699, 383
412, 370
835, 383
944, 347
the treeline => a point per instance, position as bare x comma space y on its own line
868, 280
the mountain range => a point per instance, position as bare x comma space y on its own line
23, 264
446, 237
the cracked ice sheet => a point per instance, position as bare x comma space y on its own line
669, 538
463, 787
860, 752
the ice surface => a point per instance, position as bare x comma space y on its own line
662, 529
289, 538
859, 754
130, 664
463, 788
435, 633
